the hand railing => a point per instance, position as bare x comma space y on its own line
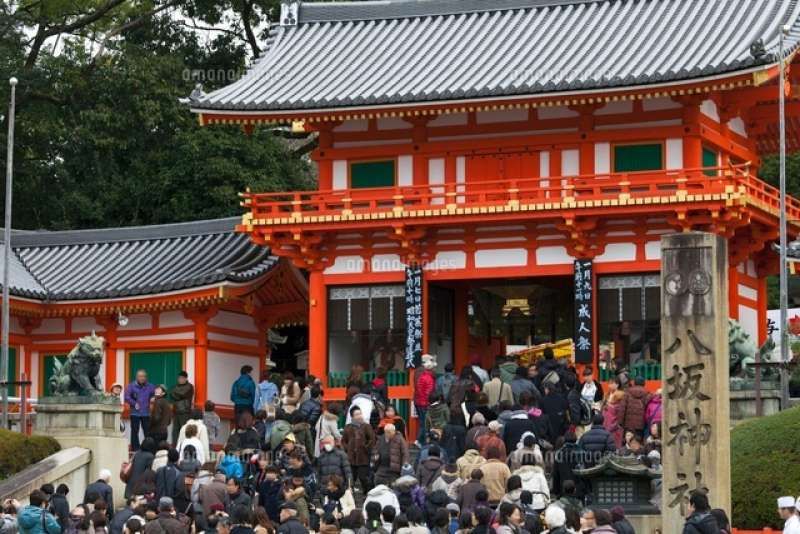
502, 192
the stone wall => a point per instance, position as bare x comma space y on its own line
68, 466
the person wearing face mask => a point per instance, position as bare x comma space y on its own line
333, 461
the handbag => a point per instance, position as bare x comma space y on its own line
347, 502
125, 471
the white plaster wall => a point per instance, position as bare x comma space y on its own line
436, 176
137, 322
361, 125
233, 339
452, 119
674, 150
736, 125
224, 368
238, 321
405, 171
652, 250
504, 257
613, 108
346, 264
461, 177
556, 112
386, 263
709, 109
602, 158
748, 292
391, 123
617, 252
51, 326
555, 255
505, 115
188, 364
121, 378
570, 162
339, 174
656, 104
85, 324
544, 164
751, 269
748, 318
172, 319
449, 259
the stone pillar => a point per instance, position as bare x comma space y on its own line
90, 426
694, 341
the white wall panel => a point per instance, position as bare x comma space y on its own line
617, 252
556, 255
504, 257
340, 174
346, 264
224, 368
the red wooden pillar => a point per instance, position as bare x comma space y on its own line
762, 310
110, 327
200, 319
733, 293
317, 326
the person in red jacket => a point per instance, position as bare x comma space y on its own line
426, 384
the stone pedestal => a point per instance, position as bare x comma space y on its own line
694, 341
91, 426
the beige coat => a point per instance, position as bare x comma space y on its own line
471, 460
495, 476
497, 391
290, 397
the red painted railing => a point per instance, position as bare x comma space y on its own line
613, 186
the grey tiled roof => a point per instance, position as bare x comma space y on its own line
345, 54
124, 262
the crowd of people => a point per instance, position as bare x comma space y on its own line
497, 452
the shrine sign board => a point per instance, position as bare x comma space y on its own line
694, 343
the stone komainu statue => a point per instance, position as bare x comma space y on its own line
743, 352
80, 374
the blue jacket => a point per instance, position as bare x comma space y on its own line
243, 391
231, 466
266, 393
140, 394
36, 520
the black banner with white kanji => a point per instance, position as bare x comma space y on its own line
413, 296
584, 296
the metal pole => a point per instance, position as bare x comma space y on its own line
784, 275
7, 250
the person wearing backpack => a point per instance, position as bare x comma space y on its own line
191, 447
446, 381
634, 406
35, 519
169, 479
243, 392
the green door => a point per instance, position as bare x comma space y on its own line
48, 368
161, 367
12, 371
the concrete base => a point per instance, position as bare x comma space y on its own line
92, 426
645, 524
743, 403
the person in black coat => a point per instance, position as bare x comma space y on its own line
555, 407
59, 506
103, 490
567, 457
142, 461
455, 434
700, 520
596, 442
621, 524
169, 479
270, 493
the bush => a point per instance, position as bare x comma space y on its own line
18, 451
764, 466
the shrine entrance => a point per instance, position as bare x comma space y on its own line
494, 317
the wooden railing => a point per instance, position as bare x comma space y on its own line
503, 192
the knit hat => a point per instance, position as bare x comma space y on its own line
290, 437
478, 419
407, 470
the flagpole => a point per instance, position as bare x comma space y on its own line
784, 275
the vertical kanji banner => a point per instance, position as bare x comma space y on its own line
413, 316
584, 295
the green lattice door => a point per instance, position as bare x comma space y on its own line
12, 371
161, 367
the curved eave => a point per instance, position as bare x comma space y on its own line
720, 82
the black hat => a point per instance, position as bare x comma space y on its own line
289, 505
184, 374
